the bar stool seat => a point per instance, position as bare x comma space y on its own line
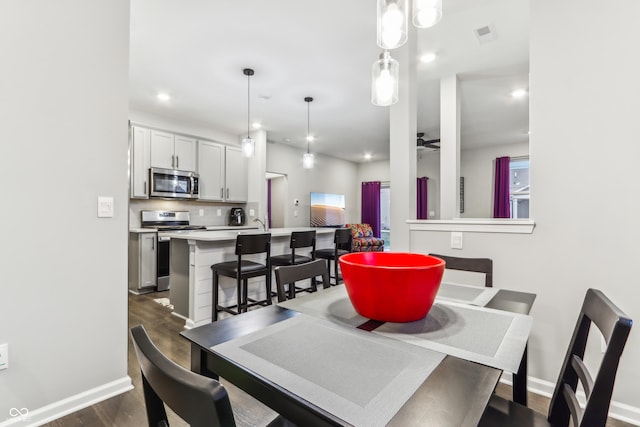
242, 270
342, 240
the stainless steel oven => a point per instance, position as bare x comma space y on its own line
175, 184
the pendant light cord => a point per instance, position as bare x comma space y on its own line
248, 106
308, 115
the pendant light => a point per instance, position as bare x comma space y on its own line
392, 23
384, 80
248, 146
308, 159
426, 13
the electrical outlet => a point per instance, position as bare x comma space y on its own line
201, 212
4, 356
219, 212
456, 240
252, 212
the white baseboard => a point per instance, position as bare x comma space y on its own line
619, 411
71, 404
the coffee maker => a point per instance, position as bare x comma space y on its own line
236, 216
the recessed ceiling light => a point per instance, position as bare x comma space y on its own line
428, 57
310, 138
256, 125
287, 140
367, 156
164, 97
519, 93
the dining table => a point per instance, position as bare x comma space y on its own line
316, 361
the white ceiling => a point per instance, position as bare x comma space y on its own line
195, 51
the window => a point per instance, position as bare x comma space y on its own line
519, 187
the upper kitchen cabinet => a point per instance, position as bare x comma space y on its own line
140, 150
236, 175
170, 151
211, 170
223, 173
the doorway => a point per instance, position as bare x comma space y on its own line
277, 188
385, 214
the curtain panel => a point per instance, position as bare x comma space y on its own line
370, 213
501, 195
422, 208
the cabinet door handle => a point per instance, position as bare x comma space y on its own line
177, 162
173, 159
153, 245
145, 187
221, 192
227, 193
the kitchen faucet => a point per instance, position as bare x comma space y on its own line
264, 226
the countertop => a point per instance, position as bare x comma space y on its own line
226, 234
208, 227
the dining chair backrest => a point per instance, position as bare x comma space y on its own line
343, 239
476, 265
198, 400
615, 327
288, 275
247, 244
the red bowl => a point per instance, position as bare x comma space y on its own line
391, 286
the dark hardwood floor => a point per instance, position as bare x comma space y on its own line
127, 409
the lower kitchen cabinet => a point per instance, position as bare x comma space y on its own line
142, 262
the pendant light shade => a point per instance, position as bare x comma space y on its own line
392, 23
308, 159
248, 145
426, 13
384, 81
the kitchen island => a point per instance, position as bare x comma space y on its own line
193, 253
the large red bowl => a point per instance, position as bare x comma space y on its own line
391, 286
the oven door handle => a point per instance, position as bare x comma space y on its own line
163, 238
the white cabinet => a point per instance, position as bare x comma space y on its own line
142, 261
211, 170
140, 152
169, 151
236, 176
223, 173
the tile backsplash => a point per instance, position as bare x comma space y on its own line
208, 210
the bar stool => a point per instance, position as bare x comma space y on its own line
342, 240
299, 239
242, 270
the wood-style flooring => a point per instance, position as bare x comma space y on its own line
127, 409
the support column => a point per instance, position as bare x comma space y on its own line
449, 147
402, 145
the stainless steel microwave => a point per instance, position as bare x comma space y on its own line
170, 183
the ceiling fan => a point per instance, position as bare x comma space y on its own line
431, 143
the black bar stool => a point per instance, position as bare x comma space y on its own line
299, 239
342, 240
242, 270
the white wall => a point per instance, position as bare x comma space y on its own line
330, 175
584, 158
64, 108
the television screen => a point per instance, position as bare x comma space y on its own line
327, 210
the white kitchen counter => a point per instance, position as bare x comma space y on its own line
208, 227
192, 254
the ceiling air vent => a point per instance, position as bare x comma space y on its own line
485, 34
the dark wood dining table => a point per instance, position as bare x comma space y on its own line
454, 394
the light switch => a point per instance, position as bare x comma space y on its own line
295, 213
201, 212
456, 240
105, 207
252, 212
219, 212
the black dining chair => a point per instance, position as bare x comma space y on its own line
198, 400
289, 275
342, 241
242, 270
614, 325
299, 240
476, 265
